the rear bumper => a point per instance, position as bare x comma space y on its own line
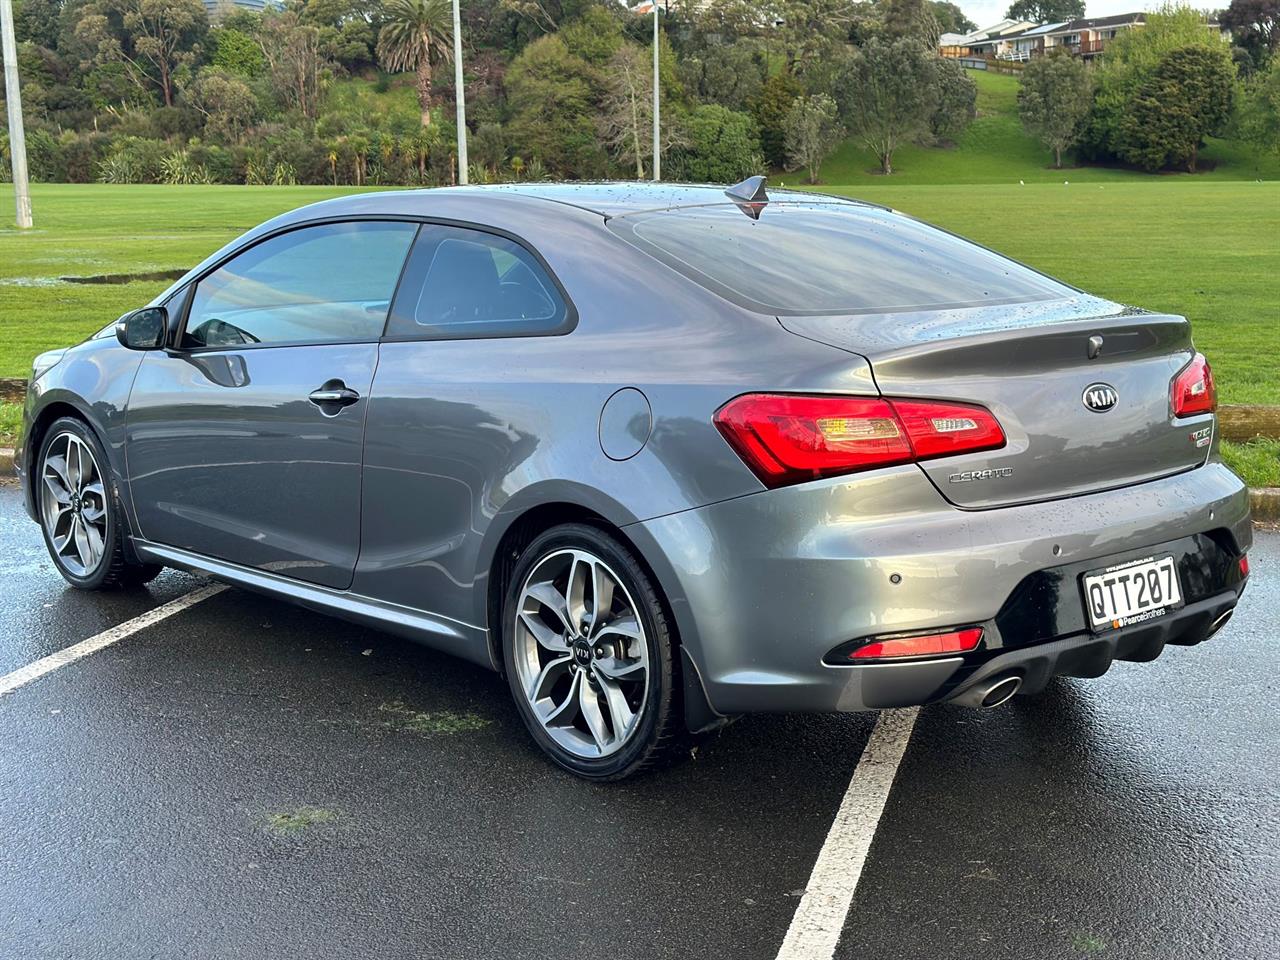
1076, 655
763, 587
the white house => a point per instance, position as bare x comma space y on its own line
1025, 45
1020, 40
1088, 36
987, 42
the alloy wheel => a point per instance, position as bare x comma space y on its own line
73, 504
581, 653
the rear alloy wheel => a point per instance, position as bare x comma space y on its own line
588, 653
77, 512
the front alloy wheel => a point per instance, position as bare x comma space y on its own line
73, 505
82, 526
588, 653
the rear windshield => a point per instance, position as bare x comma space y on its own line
812, 258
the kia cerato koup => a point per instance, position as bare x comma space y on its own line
659, 455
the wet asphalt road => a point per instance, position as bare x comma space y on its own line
146, 794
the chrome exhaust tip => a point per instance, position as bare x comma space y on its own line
1219, 623
990, 694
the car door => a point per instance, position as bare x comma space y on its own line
244, 440
447, 435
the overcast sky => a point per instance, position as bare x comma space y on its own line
986, 12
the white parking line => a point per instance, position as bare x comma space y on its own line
32, 671
820, 915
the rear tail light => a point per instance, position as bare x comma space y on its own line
926, 645
787, 438
1244, 565
1193, 389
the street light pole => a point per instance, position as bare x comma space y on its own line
657, 105
13, 97
459, 94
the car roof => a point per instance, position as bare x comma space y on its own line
607, 199
493, 203
615, 198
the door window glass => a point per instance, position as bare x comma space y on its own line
462, 283
328, 283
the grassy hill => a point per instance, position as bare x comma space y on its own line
996, 150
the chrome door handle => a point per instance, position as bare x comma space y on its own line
333, 395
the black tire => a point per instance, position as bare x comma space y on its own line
114, 570
658, 724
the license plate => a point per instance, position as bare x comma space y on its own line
1131, 592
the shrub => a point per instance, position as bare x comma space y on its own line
179, 168
722, 146
81, 153
133, 160
957, 101
1131, 59
44, 159
237, 52
1187, 98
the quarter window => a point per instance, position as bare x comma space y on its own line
462, 283
330, 283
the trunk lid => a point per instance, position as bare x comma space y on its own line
1032, 365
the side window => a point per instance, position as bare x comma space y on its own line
328, 283
462, 283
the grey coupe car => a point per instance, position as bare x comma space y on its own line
661, 455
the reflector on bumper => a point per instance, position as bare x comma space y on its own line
921, 645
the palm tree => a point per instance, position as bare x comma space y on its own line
414, 34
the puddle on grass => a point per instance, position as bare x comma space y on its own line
127, 277
117, 278
29, 282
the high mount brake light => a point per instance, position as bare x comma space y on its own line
786, 438
1193, 390
927, 645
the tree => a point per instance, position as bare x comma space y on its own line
889, 95
1046, 11
36, 21
627, 112
224, 100
808, 30
1131, 58
1255, 26
346, 29
595, 36
720, 146
488, 146
731, 75
813, 130
909, 18
297, 68
151, 38
237, 52
951, 18
414, 35
957, 101
1055, 95
770, 111
1187, 98
1258, 119
550, 94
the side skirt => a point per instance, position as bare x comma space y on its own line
449, 636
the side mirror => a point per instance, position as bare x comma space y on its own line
143, 329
